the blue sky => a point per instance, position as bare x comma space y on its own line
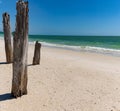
69, 17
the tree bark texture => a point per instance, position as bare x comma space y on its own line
36, 58
19, 82
7, 38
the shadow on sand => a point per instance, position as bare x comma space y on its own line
30, 65
2, 63
6, 96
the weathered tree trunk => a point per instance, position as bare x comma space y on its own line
19, 82
36, 58
7, 38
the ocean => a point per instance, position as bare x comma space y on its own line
99, 44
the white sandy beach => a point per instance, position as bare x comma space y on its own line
64, 81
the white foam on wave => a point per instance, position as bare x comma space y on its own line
108, 51
114, 52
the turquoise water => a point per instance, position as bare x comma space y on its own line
112, 42
99, 44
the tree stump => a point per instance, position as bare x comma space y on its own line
7, 38
36, 58
19, 82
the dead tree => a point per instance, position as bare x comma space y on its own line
36, 58
19, 82
7, 37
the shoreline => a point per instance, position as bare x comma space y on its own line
89, 49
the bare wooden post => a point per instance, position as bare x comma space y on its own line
7, 37
36, 58
19, 82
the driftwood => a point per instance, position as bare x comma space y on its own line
7, 37
19, 82
36, 58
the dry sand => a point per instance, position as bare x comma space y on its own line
65, 81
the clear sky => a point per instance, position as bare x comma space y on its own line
69, 17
